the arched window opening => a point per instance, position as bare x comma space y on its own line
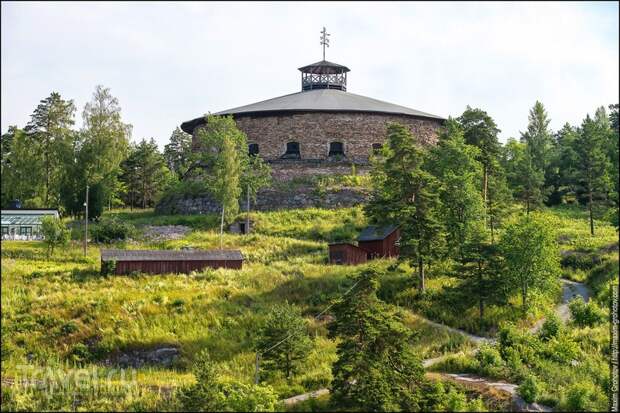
376, 148
253, 149
336, 149
292, 151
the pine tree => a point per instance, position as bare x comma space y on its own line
144, 173
406, 193
593, 164
178, 152
481, 131
49, 128
286, 326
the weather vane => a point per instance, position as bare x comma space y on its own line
324, 40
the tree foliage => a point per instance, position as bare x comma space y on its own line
406, 193
178, 153
213, 394
54, 232
376, 369
286, 326
531, 254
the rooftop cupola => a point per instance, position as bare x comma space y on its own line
324, 74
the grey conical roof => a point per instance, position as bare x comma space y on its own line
317, 100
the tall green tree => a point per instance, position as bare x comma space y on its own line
613, 151
531, 254
376, 369
285, 335
526, 180
454, 164
482, 276
145, 174
481, 131
539, 143
227, 168
178, 153
566, 161
406, 193
50, 129
106, 141
593, 164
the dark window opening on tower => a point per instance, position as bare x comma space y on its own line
376, 148
253, 149
292, 151
336, 149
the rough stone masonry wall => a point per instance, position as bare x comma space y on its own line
314, 132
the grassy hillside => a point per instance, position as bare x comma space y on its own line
61, 314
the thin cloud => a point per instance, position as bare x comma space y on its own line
170, 62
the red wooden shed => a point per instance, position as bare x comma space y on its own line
346, 253
168, 261
380, 242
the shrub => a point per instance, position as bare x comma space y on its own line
586, 314
212, 394
580, 397
112, 229
550, 328
529, 389
490, 361
108, 267
54, 232
562, 349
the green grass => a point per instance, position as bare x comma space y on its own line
60, 313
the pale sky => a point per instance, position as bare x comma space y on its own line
171, 62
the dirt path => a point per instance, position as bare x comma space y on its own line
570, 289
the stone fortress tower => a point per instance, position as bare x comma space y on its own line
321, 130
322, 124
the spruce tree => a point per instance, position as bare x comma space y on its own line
454, 164
376, 369
539, 144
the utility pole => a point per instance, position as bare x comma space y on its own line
247, 217
222, 228
86, 222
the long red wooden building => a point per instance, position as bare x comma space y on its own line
168, 261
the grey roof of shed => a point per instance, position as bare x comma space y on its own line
376, 233
317, 100
170, 255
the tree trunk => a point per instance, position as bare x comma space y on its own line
481, 311
590, 208
523, 298
485, 185
222, 228
421, 270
